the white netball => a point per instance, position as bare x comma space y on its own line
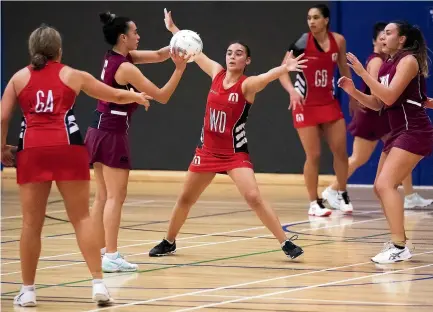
187, 41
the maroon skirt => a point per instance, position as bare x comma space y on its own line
108, 148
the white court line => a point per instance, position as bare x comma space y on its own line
258, 282
303, 288
365, 186
349, 302
64, 210
193, 237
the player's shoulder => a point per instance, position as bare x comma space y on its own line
22, 73
338, 37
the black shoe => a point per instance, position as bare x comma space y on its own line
164, 248
290, 249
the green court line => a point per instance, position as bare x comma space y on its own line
169, 266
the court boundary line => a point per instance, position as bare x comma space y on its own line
248, 283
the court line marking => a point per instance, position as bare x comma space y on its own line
325, 300
302, 288
258, 282
193, 237
64, 210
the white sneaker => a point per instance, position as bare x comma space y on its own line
101, 295
416, 200
117, 265
26, 298
318, 209
345, 203
331, 196
391, 254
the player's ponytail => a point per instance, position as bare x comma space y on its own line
415, 43
45, 44
106, 17
114, 26
39, 61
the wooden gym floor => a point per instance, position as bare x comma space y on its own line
226, 260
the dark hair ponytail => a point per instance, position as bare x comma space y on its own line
114, 26
415, 43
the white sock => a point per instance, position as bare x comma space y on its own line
171, 243
28, 288
112, 256
97, 281
103, 251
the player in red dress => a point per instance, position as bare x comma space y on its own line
315, 110
368, 127
51, 149
223, 146
400, 89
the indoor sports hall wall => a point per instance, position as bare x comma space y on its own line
355, 20
164, 138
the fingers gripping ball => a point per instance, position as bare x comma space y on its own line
186, 42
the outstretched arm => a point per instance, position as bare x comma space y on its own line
254, 84
99, 90
209, 66
150, 56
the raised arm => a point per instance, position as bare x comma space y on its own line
99, 90
129, 73
150, 56
407, 69
254, 84
209, 66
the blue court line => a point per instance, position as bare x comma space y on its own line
236, 267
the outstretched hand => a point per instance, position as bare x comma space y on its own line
355, 64
143, 99
295, 64
168, 20
347, 85
179, 58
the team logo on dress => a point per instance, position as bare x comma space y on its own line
334, 57
299, 117
233, 98
196, 160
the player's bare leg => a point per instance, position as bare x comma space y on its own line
194, 186
116, 182
310, 139
397, 165
33, 197
246, 183
335, 134
97, 211
362, 151
76, 197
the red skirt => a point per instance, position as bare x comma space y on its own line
53, 163
316, 115
206, 161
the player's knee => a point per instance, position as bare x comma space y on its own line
253, 197
33, 224
381, 185
340, 153
117, 196
313, 156
186, 200
357, 160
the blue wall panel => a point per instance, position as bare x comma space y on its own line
355, 20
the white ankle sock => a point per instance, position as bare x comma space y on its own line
28, 288
103, 251
112, 256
